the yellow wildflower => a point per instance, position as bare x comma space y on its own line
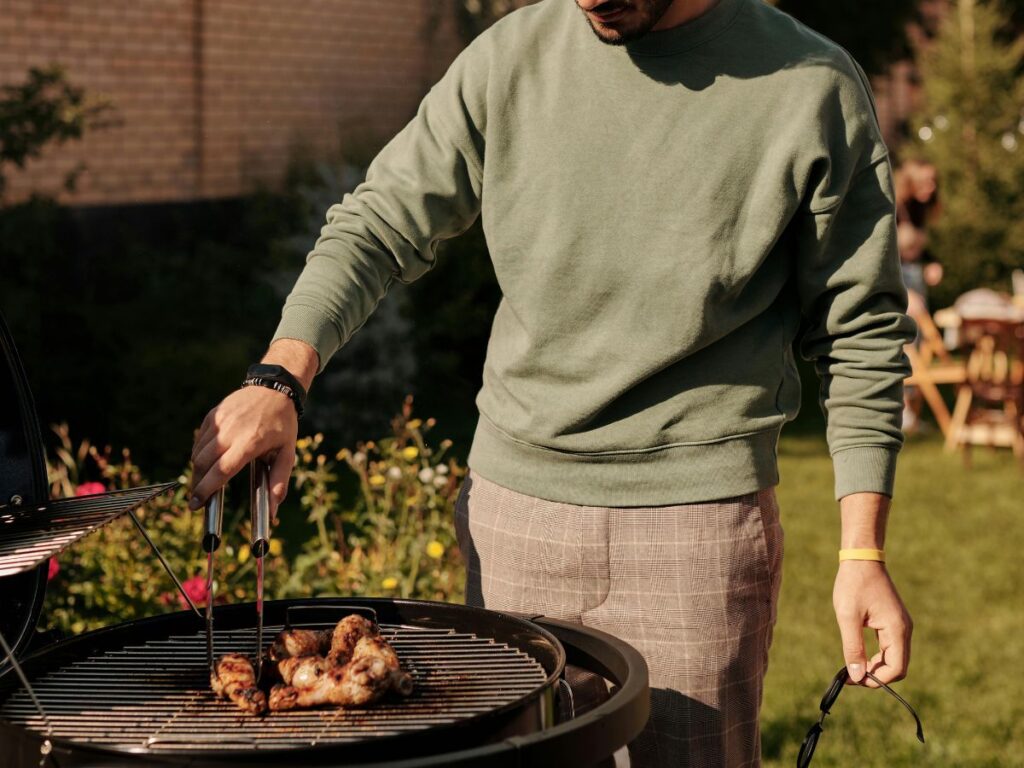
389, 583
343, 453
435, 549
243, 554
276, 548
414, 424
303, 444
410, 452
377, 480
319, 437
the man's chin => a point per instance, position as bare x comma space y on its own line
613, 36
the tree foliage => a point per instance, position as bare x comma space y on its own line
46, 108
972, 128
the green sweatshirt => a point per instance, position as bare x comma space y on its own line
664, 219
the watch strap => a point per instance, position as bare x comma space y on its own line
278, 378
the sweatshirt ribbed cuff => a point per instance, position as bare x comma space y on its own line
311, 326
866, 469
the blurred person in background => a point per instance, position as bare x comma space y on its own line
917, 205
670, 190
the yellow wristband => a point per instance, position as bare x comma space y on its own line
862, 554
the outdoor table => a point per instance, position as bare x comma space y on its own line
994, 376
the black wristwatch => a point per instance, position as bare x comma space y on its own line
277, 377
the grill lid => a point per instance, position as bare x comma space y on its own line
22, 478
33, 529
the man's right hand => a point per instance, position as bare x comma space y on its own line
251, 423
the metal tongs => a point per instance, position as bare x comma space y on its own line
259, 510
213, 524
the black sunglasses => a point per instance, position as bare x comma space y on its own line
803, 758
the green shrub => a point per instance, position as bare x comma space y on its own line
396, 539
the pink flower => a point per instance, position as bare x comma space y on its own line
196, 589
54, 569
89, 489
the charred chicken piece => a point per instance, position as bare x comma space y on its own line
234, 678
376, 647
302, 671
347, 633
359, 682
373, 670
291, 643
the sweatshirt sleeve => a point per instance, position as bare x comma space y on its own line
852, 295
424, 186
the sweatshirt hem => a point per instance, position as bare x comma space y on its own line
678, 474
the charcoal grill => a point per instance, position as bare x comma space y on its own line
491, 688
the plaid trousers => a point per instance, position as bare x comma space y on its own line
693, 587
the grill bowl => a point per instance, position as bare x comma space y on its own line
140, 688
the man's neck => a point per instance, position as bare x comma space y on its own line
682, 11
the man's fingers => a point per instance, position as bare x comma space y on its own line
248, 423
206, 432
280, 475
213, 427
204, 460
890, 664
850, 628
226, 466
875, 663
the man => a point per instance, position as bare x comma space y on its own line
670, 191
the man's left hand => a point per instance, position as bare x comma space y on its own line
864, 595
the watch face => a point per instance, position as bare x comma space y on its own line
265, 369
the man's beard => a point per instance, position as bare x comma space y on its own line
648, 13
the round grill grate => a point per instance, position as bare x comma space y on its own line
155, 696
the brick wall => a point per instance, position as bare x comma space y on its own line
213, 96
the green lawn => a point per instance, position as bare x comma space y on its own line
954, 548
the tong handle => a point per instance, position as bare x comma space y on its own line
259, 506
213, 521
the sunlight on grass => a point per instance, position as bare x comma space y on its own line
954, 549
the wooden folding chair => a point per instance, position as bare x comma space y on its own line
932, 366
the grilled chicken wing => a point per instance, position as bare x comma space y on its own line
234, 678
302, 671
347, 633
290, 643
376, 647
373, 670
358, 682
